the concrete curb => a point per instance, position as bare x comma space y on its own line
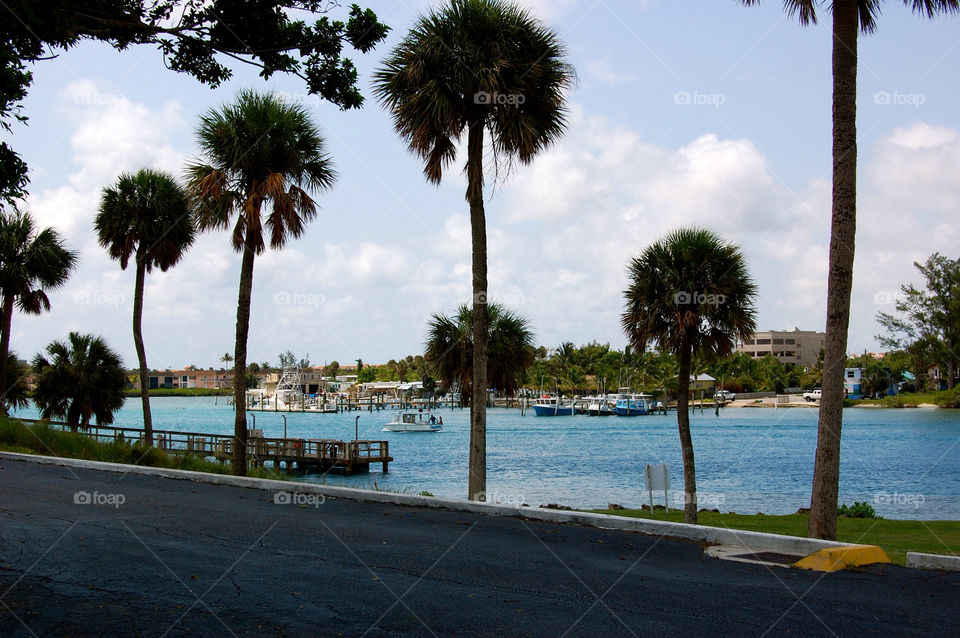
697, 533
933, 561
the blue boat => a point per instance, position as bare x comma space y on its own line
552, 406
632, 405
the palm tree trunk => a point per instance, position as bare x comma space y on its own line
240, 361
477, 483
7, 319
826, 472
686, 441
141, 353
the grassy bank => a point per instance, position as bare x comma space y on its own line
183, 392
941, 398
894, 536
52, 441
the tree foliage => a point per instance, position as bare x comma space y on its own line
927, 322
196, 38
83, 379
449, 350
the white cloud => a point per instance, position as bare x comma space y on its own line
601, 70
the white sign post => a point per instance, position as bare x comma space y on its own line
658, 478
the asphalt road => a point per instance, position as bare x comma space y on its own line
179, 558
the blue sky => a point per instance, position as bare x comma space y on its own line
696, 112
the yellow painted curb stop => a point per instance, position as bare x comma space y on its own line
837, 558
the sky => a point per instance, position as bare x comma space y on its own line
685, 113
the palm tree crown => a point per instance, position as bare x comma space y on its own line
450, 348
484, 61
868, 10
146, 215
690, 287
31, 262
259, 150
83, 378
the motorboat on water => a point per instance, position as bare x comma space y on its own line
552, 406
414, 422
601, 406
636, 404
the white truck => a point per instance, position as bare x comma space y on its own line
813, 395
725, 395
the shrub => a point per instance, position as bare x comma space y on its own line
859, 509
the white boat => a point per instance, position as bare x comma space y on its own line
414, 422
601, 406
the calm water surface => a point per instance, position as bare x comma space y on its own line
904, 462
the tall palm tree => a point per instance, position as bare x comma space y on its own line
849, 18
84, 378
691, 294
450, 350
474, 68
31, 263
146, 216
263, 158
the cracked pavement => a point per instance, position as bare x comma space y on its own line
183, 558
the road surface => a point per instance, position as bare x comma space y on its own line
147, 556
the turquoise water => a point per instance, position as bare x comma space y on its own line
904, 462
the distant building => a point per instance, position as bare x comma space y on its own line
852, 383
938, 377
702, 383
801, 347
210, 379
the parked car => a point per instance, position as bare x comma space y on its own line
725, 395
812, 396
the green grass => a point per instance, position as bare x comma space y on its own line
42, 438
183, 392
941, 398
894, 536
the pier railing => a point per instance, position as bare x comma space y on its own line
304, 453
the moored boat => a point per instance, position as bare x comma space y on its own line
633, 404
552, 406
414, 422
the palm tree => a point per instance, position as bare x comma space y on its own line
450, 350
84, 378
849, 18
146, 216
690, 293
17, 392
264, 158
226, 359
476, 67
31, 263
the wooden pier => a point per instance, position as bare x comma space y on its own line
301, 455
